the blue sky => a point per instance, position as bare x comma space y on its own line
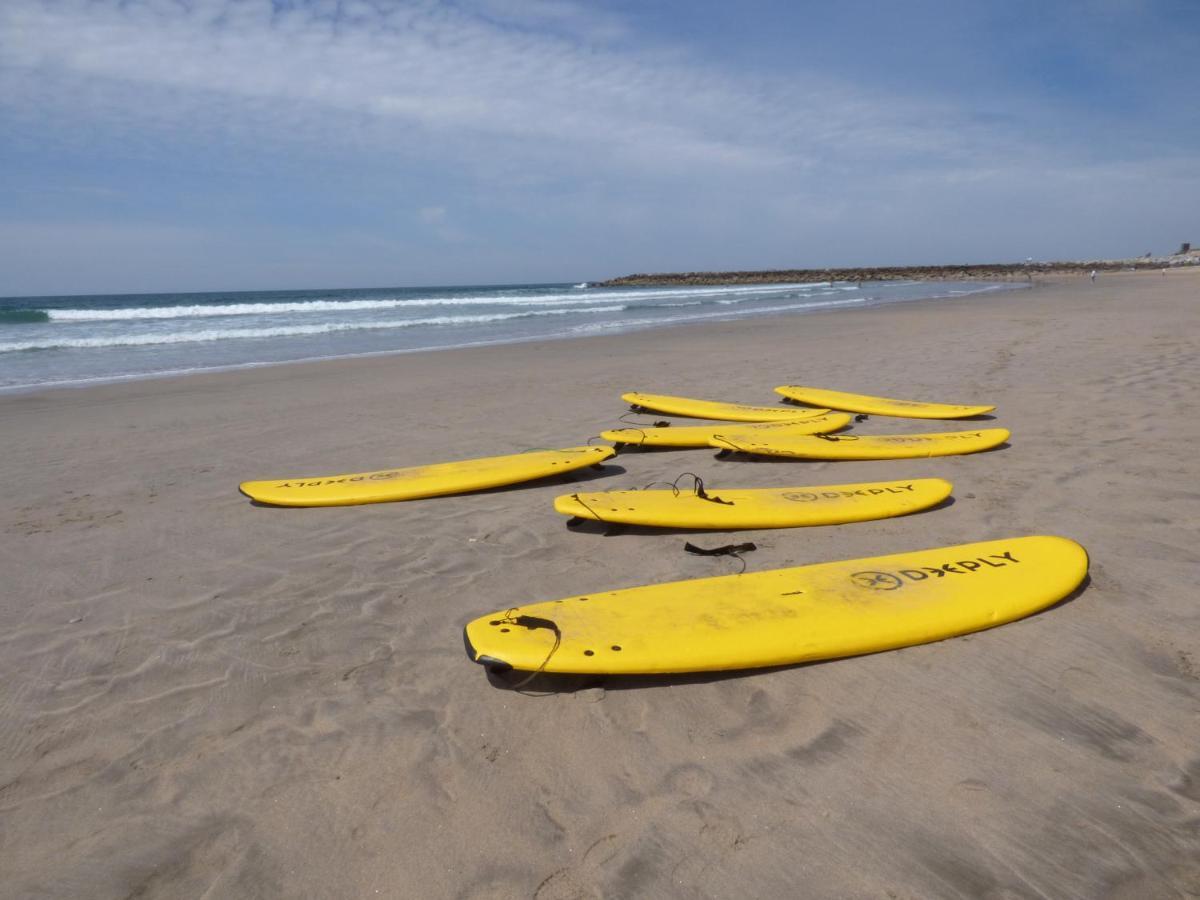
157, 145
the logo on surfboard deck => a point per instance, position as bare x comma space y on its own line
917, 403
879, 581
788, 423
890, 581
809, 496
322, 482
922, 438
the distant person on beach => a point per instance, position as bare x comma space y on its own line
1093, 275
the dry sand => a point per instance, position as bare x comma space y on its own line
202, 697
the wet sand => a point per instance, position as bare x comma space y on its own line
203, 697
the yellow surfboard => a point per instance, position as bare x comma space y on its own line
880, 406
698, 435
730, 508
714, 409
423, 481
864, 446
784, 616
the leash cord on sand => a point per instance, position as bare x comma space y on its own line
734, 550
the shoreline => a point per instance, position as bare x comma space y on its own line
714, 319
204, 696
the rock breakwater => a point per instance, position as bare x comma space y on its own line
970, 272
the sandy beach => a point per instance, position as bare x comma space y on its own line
201, 697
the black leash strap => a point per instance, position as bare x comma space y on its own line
698, 487
533, 622
659, 423
703, 494
727, 550
734, 550
578, 520
730, 447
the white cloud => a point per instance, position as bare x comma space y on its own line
590, 23
434, 79
412, 141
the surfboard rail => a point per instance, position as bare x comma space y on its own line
419, 482
698, 435
865, 446
707, 507
784, 616
879, 406
670, 405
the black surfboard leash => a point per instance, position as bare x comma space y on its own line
532, 623
734, 550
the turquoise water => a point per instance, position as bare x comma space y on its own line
79, 340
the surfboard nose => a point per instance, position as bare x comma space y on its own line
569, 505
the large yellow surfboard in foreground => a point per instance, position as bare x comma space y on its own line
423, 481
729, 508
714, 409
880, 406
784, 616
698, 435
864, 446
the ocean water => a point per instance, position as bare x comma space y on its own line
80, 340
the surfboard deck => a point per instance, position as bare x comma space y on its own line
417, 482
784, 616
715, 409
698, 435
865, 446
733, 508
880, 406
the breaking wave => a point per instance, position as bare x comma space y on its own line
737, 294
224, 334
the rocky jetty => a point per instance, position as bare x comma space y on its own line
970, 272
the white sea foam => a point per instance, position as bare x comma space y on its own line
223, 334
498, 298
308, 306
618, 294
197, 337
227, 309
589, 327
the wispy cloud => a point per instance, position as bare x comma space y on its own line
432, 76
558, 138
590, 23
